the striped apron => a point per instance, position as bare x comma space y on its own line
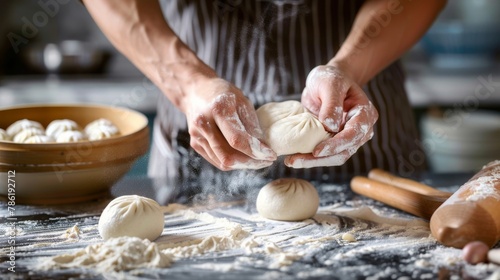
267, 48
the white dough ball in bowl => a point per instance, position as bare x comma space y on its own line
70, 136
288, 199
101, 129
4, 136
39, 139
57, 127
102, 132
23, 124
133, 216
25, 134
97, 123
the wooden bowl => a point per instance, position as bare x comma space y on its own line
56, 173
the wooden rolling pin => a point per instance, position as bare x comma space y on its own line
472, 213
401, 193
407, 184
407, 197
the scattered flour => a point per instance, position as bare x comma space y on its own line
15, 231
266, 244
72, 233
116, 254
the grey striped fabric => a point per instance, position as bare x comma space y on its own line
267, 48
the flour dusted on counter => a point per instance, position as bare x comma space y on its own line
225, 230
213, 238
116, 254
230, 235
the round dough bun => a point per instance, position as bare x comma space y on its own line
70, 136
272, 112
101, 129
133, 216
289, 128
26, 133
57, 127
23, 124
39, 139
296, 134
288, 199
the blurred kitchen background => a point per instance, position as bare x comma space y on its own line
56, 54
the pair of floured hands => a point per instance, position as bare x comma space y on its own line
224, 127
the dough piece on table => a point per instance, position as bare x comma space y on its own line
39, 139
4, 136
56, 127
70, 136
288, 199
133, 216
295, 134
23, 124
24, 134
272, 112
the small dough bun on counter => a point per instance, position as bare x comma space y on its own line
288, 199
133, 216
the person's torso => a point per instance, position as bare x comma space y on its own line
266, 48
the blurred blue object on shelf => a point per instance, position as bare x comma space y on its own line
456, 37
459, 45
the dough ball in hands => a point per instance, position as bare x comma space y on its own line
57, 127
296, 134
23, 124
288, 199
272, 112
289, 128
133, 216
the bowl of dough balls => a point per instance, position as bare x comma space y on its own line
55, 154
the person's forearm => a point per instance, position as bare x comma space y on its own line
382, 31
138, 29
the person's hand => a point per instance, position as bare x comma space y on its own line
224, 128
345, 111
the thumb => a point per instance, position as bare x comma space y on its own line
331, 112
